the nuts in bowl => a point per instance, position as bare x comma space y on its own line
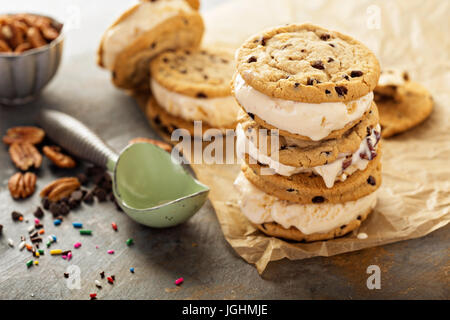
30, 51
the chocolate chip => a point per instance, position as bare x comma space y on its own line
356, 73
251, 115
318, 199
343, 226
347, 162
83, 179
345, 77
318, 65
187, 52
45, 203
405, 76
102, 274
252, 59
66, 275
88, 198
330, 59
283, 147
341, 91
296, 84
73, 204
205, 77
371, 181
94, 171
101, 194
157, 120
113, 277
359, 218
201, 95
38, 213
263, 41
16, 215
153, 45
290, 190
36, 239
64, 208
165, 60
325, 37
327, 92
331, 45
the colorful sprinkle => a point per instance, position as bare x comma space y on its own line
110, 251
42, 231
93, 296
114, 226
77, 225
29, 247
29, 263
53, 238
30, 229
56, 252
57, 222
36, 263
77, 245
132, 270
110, 280
64, 257
130, 242
22, 245
98, 284
179, 281
10, 242
41, 252
85, 232
69, 255
37, 221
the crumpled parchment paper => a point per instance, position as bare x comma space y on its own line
414, 198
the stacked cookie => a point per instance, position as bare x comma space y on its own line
311, 89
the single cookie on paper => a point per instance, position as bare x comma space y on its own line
194, 85
307, 154
141, 33
402, 103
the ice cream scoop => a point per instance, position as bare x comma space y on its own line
148, 184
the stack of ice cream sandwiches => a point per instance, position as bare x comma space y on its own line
155, 46
308, 131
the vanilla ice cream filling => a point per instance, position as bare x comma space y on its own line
260, 207
313, 120
144, 18
338, 170
392, 77
218, 112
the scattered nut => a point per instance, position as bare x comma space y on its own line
25, 155
22, 185
58, 158
60, 188
165, 146
31, 135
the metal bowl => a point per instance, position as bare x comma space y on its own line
24, 75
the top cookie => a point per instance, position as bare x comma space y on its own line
307, 63
202, 73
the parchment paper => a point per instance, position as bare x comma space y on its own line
414, 199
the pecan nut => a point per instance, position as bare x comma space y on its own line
31, 135
22, 185
58, 158
25, 155
61, 188
165, 146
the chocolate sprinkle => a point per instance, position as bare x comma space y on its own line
251, 115
318, 65
325, 36
252, 59
201, 95
16, 215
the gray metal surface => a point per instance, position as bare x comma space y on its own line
195, 250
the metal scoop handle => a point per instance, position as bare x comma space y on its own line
76, 138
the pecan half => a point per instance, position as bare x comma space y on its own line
165, 146
22, 185
25, 155
31, 135
60, 188
58, 158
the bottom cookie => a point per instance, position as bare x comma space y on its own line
273, 229
411, 105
